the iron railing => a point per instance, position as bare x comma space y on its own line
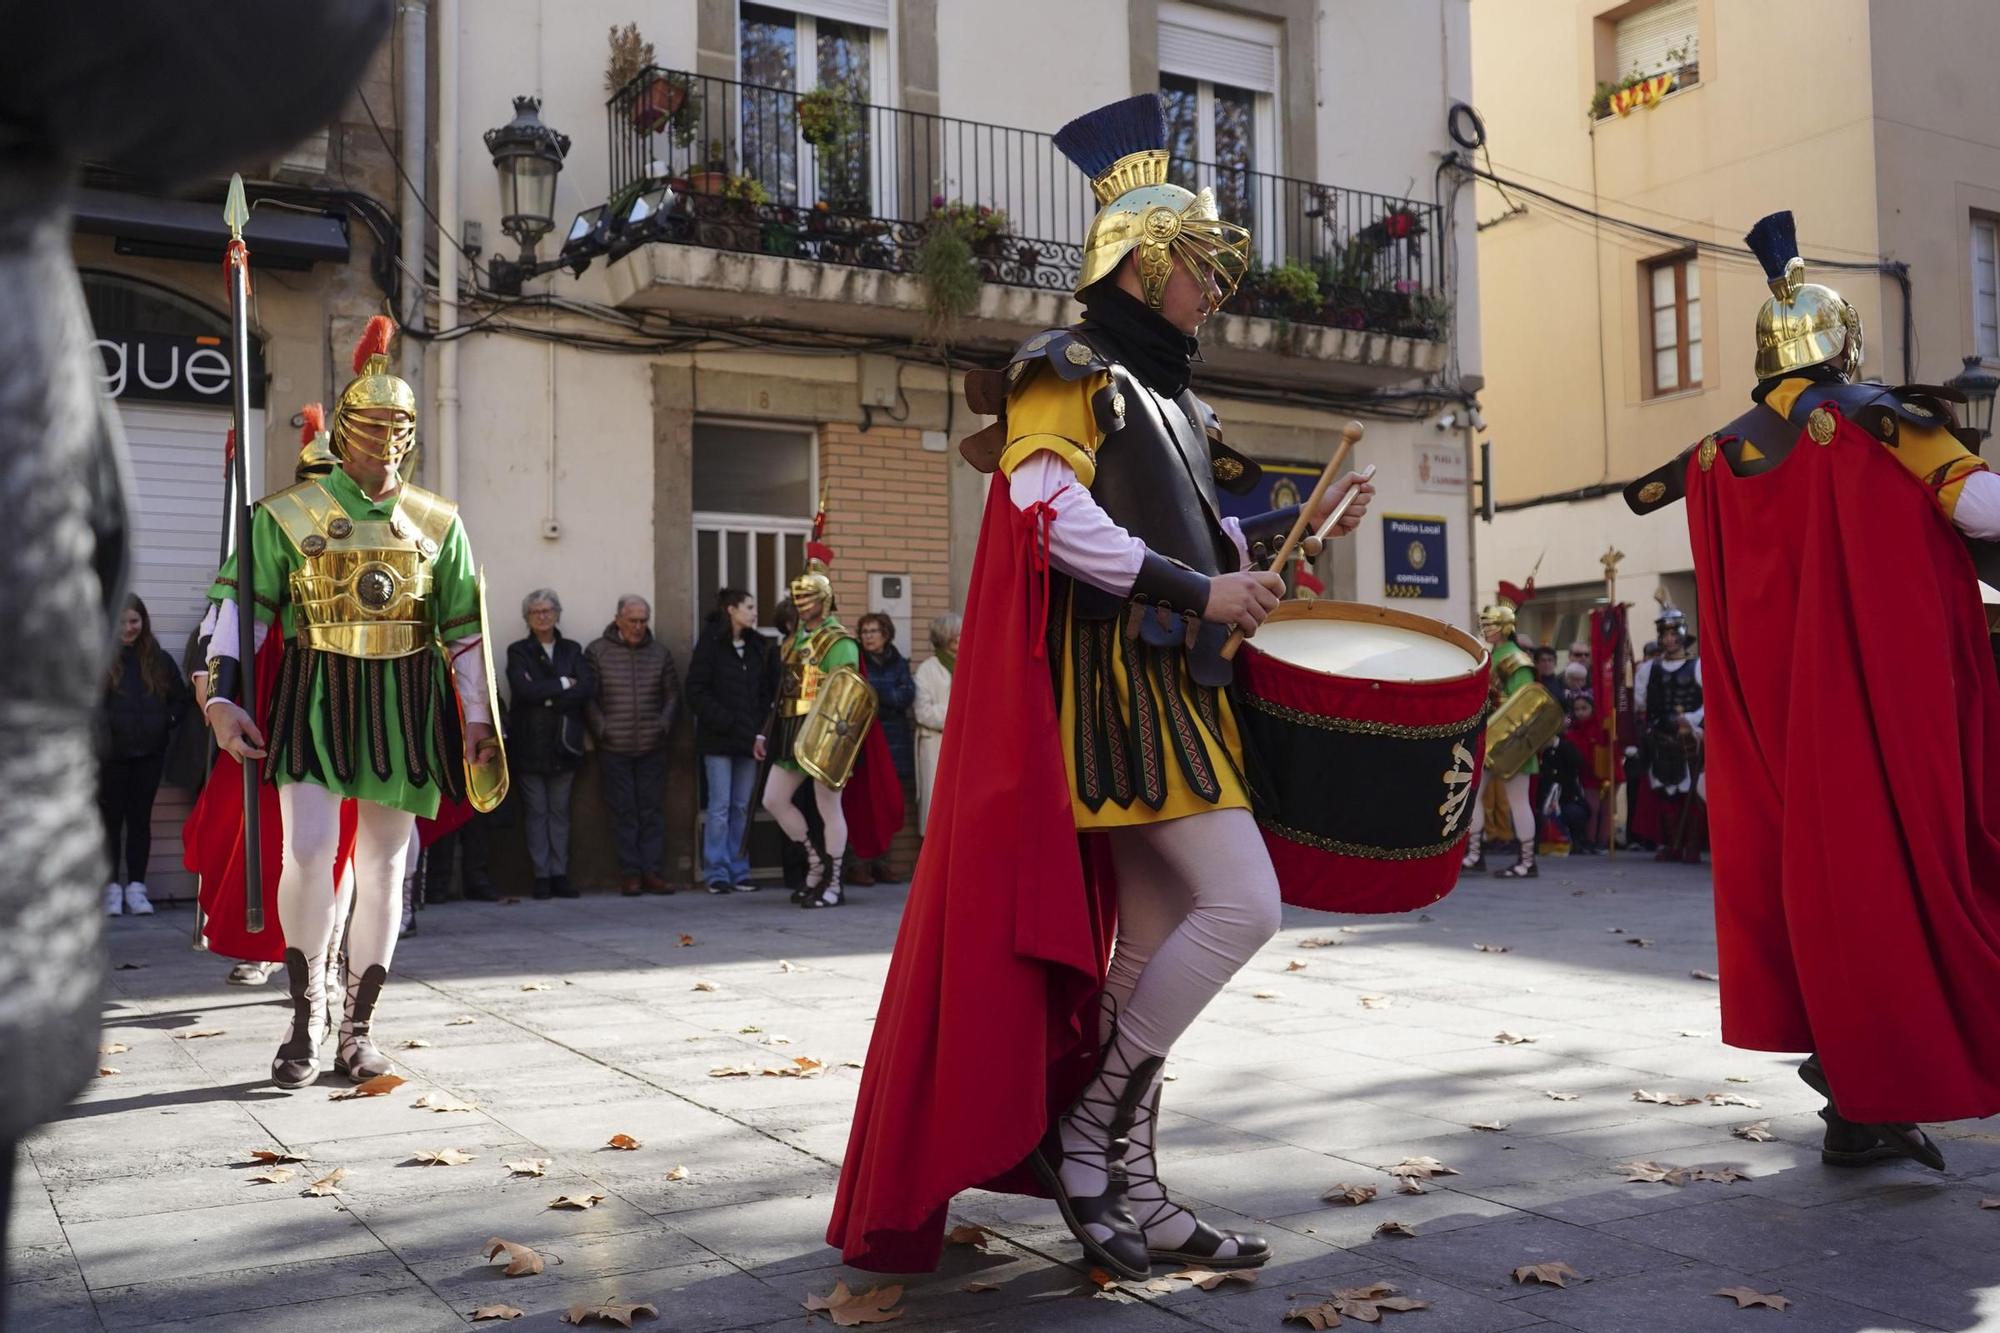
773, 171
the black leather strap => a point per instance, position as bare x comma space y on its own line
225, 679
1170, 586
1265, 533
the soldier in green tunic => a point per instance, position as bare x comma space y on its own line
1513, 671
384, 694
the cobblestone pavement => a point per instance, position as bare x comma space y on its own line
563, 1024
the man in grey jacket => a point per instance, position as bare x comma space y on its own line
638, 697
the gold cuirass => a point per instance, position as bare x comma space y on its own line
362, 588
804, 674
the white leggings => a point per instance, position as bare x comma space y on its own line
1519, 810
779, 788
305, 883
1197, 898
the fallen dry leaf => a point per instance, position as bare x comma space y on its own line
1745, 1297
612, 1311
1490, 1126
1688, 1032
1353, 1194
622, 1142
1554, 1275
463, 1020
277, 1175
1297, 966
129, 967
1738, 1078
199, 1034
802, 1066
1374, 1001
270, 1156
528, 1166
1209, 1280
787, 965
496, 1312
1409, 1185
687, 941
438, 1101
1364, 1304
106, 1071
412, 1044
850, 1310
1733, 1099
1560, 1096
576, 1201
521, 1261
1700, 975
968, 1235
980, 1286
536, 985
1101, 1279
1652, 1173
1395, 1229
1665, 1098
328, 1183
731, 1071
678, 1173
1638, 942
1494, 948
113, 1048
1420, 1168
379, 1086
1320, 942
1512, 1039
1721, 1175
1265, 995
1757, 1133
703, 985
442, 1157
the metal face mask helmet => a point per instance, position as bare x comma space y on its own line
1500, 615
316, 456
1123, 149
390, 431
1803, 324
813, 586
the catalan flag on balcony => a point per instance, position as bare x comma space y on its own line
1645, 93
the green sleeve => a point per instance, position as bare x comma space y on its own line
1519, 678
273, 565
846, 653
455, 586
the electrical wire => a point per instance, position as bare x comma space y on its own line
415, 189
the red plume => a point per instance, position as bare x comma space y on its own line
1518, 596
229, 448
374, 341
315, 422
820, 551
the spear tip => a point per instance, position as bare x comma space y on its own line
236, 211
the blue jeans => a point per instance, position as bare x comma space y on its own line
730, 777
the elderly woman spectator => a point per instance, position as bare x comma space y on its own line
888, 672
732, 679
549, 682
933, 701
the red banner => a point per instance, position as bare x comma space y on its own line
1611, 668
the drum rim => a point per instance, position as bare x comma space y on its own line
1319, 609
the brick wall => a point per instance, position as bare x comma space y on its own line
888, 512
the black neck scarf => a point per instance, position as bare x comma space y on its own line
1135, 333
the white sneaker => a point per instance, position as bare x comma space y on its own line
746, 888
114, 900
136, 901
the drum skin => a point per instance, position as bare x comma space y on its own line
1363, 787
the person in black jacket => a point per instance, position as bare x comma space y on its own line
895, 690
731, 682
549, 680
144, 699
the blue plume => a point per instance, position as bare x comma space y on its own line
1098, 138
1775, 241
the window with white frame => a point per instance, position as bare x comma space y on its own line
792, 49
753, 504
1673, 287
1219, 79
1985, 287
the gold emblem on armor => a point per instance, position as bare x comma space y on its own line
1227, 469
341, 528
1015, 371
1819, 425
1705, 455
1888, 428
1037, 343
1077, 354
375, 587
1651, 492
313, 545
1117, 404
1161, 224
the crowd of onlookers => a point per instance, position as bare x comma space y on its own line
1582, 768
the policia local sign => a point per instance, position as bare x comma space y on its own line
1413, 556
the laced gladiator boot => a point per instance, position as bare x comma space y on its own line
297, 1061
1523, 868
816, 871
830, 894
358, 1058
1174, 1235
1090, 1140
1850, 1143
1475, 855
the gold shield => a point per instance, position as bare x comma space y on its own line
1521, 729
486, 783
830, 739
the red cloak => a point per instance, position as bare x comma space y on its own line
872, 800
1853, 725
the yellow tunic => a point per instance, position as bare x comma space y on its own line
1931, 453
1046, 412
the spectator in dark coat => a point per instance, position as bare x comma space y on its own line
549, 682
638, 697
895, 690
144, 700
731, 681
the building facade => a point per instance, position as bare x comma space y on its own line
756, 321
1635, 145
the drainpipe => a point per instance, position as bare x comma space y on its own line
416, 66
446, 427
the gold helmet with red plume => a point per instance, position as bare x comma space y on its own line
814, 584
316, 457
377, 412
1500, 615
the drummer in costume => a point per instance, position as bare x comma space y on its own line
1671, 811
823, 731
1851, 722
383, 695
1513, 671
1089, 699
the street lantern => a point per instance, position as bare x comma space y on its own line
1978, 384
528, 155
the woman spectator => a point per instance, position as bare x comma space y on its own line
549, 681
144, 698
888, 672
731, 682
932, 702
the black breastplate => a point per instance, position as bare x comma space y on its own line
1671, 692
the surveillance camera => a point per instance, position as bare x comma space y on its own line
1449, 421
1478, 422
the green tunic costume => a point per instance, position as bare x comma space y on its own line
810, 657
1513, 669
375, 729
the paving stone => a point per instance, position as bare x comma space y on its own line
1683, 1299
1753, 1234
419, 1229
1932, 1283
413, 1310
1482, 1259
52, 1305
203, 1296
128, 1250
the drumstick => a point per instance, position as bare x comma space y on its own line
1340, 510
1349, 434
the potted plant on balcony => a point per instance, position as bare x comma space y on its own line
944, 263
1291, 289
827, 116
655, 99
713, 178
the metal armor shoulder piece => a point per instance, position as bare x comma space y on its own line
304, 511
824, 638
1070, 356
428, 512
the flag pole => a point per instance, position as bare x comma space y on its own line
1606, 798
236, 267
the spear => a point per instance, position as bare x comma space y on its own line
236, 268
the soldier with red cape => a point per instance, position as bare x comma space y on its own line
1852, 726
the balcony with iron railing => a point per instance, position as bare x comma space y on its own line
772, 172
